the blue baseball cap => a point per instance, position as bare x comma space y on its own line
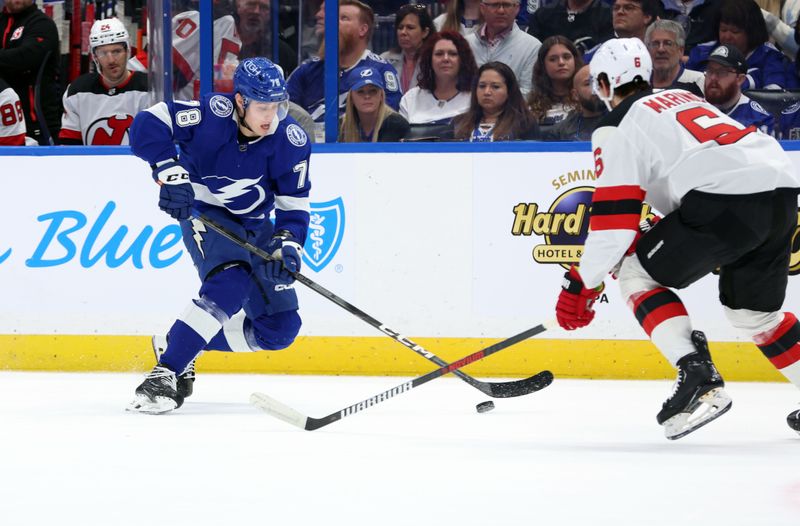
359, 77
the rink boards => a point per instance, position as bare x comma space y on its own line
453, 249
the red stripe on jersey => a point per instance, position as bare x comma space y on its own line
618, 193
615, 222
13, 140
787, 358
69, 134
181, 65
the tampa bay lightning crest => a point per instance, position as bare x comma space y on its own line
325, 233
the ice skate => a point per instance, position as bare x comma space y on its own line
186, 378
698, 396
158, 393
794, 420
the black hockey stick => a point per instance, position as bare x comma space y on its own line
294, 417
493, 389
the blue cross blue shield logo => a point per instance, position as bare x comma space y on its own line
325, 233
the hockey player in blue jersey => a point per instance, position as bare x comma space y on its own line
241, 156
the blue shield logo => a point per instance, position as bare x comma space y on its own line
325, 233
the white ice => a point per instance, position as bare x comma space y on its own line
579, 452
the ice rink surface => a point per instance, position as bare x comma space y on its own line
580, 452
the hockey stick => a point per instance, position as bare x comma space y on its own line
294, 417
493, 389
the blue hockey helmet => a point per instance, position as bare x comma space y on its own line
258, 79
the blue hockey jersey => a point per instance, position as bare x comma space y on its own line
306, 85
766, 66
749, 112
248, 179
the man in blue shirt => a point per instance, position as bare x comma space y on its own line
307, 84
725, 74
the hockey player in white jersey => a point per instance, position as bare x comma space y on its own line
99, 107
729, 198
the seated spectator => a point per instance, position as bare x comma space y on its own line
499, 39
587, 23
781, 31
630, 18
696, 17
579, 124
740, 24
447, 69
28, 42
665, 40
552, 98
12, 120
367, 118
725, 74
463, 16
100, 107
241, 30
306, 85
413, 25
790, 123
498, 111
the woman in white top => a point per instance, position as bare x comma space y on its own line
413, 25
462, 15
447, 68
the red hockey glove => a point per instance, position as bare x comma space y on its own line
574, 307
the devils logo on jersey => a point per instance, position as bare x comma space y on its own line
111, 131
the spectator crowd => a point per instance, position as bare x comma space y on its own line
465, 70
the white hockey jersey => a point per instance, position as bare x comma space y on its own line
12, 119
186, 53
95, 114
660, 146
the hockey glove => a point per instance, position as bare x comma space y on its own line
287, 252
574, 307
176, 195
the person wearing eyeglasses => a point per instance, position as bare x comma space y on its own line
99, 107
499, 39
740, 24
413, 25
665, 41
725, 73
630, 19
586, 22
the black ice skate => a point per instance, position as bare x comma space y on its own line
794, 420
186, 378
698, 396
158, 393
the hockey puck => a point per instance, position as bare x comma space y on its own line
485, 407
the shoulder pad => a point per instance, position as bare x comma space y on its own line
377, 58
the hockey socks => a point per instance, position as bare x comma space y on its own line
663, 317
781, 346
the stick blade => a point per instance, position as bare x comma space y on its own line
278, 410
537, 382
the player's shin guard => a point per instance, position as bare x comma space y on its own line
658, 310
781, 346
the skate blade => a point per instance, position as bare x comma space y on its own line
708, 407
142, 404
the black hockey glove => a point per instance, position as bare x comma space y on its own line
176, 196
